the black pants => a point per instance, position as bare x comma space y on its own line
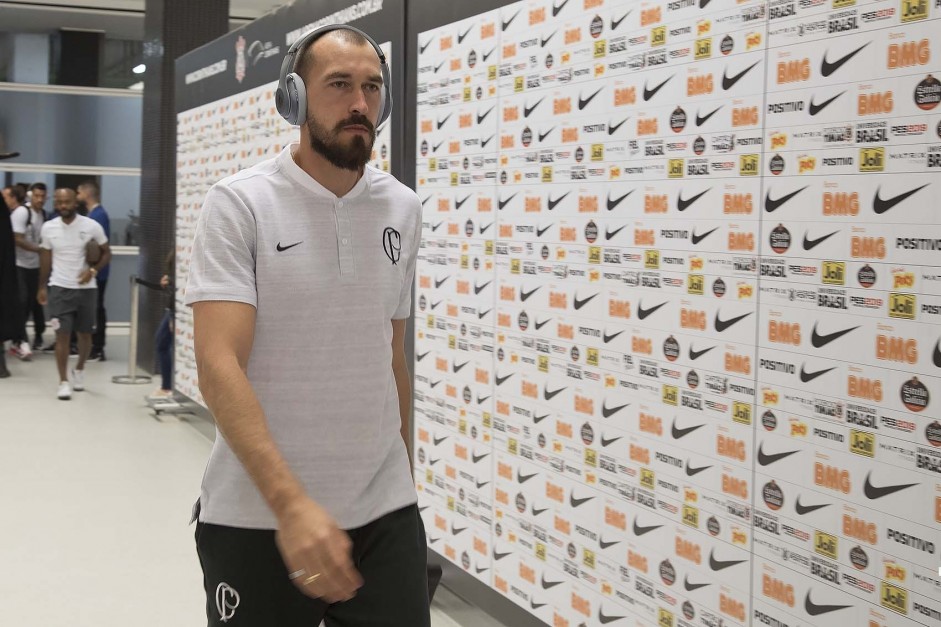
29, 285
247, 583
98, 338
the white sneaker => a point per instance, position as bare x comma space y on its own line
78, 379
160, 395
26, 353
65, 391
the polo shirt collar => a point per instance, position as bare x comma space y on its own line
294, 171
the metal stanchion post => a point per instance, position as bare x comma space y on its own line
132, 377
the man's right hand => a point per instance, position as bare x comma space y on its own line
41, 297
310, 540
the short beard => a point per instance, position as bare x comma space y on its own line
350, 157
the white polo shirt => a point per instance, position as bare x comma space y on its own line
327, 276
67, 243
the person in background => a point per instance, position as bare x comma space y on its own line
164, 338
27, 224
11, 314
90, 195
70, 295
9, 198
15, 196
37, 200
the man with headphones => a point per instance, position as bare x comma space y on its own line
308, 510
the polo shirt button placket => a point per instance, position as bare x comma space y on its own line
345, 233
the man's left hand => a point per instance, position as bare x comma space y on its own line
85, 277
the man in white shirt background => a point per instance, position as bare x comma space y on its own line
27, 224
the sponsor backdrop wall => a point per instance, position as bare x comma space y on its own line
227, 121
677, 341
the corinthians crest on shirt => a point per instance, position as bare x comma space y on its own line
240, 59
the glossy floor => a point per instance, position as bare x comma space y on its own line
96, 496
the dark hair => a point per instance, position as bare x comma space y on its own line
305, 61
92, 187
40, 186
19, 192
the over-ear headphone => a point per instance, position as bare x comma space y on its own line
291, 95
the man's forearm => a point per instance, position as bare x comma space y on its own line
242, 423
403, 385
45, 267
22, 242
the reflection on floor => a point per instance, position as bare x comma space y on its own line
96, 500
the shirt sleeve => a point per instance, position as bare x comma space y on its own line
19, 217
99, 234
44, 236
405, 298
101, 217
222, 265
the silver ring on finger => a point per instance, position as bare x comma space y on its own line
297, 574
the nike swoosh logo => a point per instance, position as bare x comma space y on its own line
438, 441
543, 42
484, 229
422, 356
692, 471
717, 565
500, 556
459, 203
535, 605
643, 314
584, 102
441, 282
481, 570
678, 433
538, 419
650, 93
605, 443
815, 108
772, 205
435, 384
612, 129
444, 121
696, 238
691, 587
765, 459
872, 492
728, 82
816, 610
457, 368
807, 377
502, 380
609, 338
483, 143
579, 502
462, 36
551, 395
479, 288
537, 512
435, 227
481, 401
528, 110
540, 325
702, 119
281, 248
614, 202
503, 203
607, 412
684, 204
806, 509
640, 531
436, 146
507, 23
524, 295
477, 458
436, 305
581, 303
607, 545
880, 206
827, 68
432, 462
421, 49
480, 316
548, 585
487, 55
616, 23
524, 478
810, 244
426, 200
481, 118
554, 202
542, 136
704, 3
722, 325
694, 355
819, 341
608, 619
433, 540
936, 357
542, 231
557, 9
438, 67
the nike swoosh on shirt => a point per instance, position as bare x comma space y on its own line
810, 244
880, 206
807, 377
696, 238
722, 325
607, 412
643, 314
728, 82
482, 117
766, 459
581, 303
694, 354
702, 119
528, 110
827, 68
503, 203
553, 202
684, 204
814, 108
650, 93
551, 395
802, 509
772, 205
281, 248
717, 565
872, 492
678, 433
584, 102
614, 202
819, 341
612, 129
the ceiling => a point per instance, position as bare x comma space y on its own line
119, 19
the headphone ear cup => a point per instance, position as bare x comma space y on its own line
296, 105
